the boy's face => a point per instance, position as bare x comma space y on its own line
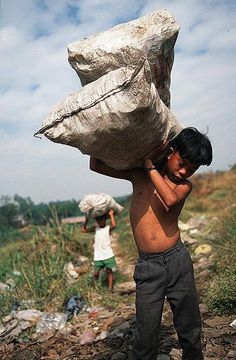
179, 169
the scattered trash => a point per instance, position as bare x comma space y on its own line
70, 271
11, 283
94, 313
203, 249
233, 324
29, 315
87, 337
193, 232
50, 321
103, 335
74, 305
183, 226
16, 273
4, 287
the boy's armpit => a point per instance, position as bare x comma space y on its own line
101, 168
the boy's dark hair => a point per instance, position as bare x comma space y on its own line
101, 217
193, 146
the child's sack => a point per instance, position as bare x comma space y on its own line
118, 118
94, 205
152, 36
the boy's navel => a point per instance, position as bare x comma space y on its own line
153, 237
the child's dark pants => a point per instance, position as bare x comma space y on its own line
167, 274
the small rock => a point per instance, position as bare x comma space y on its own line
233, 324
11, 283
176, 354
119, 356
125, 287
4, 287
6, 319
232, 354
183, 226
53, 355
163, 357
193, 232
2, 329
29, 315
102, 335
203, 249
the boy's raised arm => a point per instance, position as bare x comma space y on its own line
85, 229
101, 168
112, 219
169, 196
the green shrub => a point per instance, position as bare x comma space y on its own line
221, 296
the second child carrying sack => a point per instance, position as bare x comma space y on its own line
118, 118
94, 205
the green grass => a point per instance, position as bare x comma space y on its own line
42, 278
221, 296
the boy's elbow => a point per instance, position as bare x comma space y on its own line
171, 201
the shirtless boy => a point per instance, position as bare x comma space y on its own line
164, 268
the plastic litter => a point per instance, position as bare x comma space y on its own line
70, 271
233, 324
51, 321
87, 337
74, 305
94, 313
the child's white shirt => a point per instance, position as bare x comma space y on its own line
102, 245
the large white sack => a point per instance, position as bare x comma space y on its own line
119, 118
94, 205
152, 36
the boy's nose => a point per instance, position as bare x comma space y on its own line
183, 172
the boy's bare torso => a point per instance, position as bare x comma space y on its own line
154, 225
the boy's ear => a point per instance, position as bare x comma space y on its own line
171, 151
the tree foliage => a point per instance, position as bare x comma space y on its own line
37, 214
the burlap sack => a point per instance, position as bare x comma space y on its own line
152, 36
119, 118
94, 205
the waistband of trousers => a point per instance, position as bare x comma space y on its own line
176, 248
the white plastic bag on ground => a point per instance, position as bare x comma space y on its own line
94, 205
118, 118
153, 36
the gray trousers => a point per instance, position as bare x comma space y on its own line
168, 274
